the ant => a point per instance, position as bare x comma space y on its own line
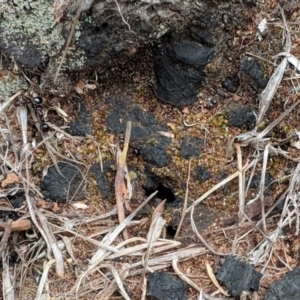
36, 103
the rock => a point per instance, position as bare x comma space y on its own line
286, 288
193, 53
163, 286
231, 84
82, 125
17, 200
252, 68
144, 134
64, 186
202, 174
191, 147
20, 48
179, 69
238, 276
255, 181
101, 177
242, 117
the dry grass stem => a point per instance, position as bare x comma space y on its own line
120, 179
7, 279
241, 181
214, 279
183, 212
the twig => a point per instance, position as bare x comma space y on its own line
68, 42
185, 202
6, 234
241, 181
262, 186
120, 12
119, 180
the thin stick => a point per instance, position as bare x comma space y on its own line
262, 186
120, 12
119, 181
6, 234
68, 42
185, 202
241, 181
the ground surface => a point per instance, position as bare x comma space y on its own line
165, 140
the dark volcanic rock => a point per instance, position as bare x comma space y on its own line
106, 40
287, 288
242, 117
202, 173
144, 134
179, 69
252, 68
63, 186
103, 184
163, 286
238, 276
20, 48
255, 181
191, 147
82, 125
4, 215
193, 54
231, 84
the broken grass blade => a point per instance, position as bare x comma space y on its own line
8, 102
262, 186
7, 282
107, 240
270, 90
22, 115
241, 181
44, 279
110, 237
184, 277
214, 279
118, 279
53, 244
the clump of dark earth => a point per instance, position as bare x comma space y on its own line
222, 175
63, 185
255, 181
179, 69
144, 134
17, 200
202, 174
106, 189
104, 39
253, 69
231, 84
238, 276
12, 258
163, 286
82, 125
4, 215
23, 51
287, 288
241, 117
191, 147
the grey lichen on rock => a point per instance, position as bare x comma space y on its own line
27, 33
10, 83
